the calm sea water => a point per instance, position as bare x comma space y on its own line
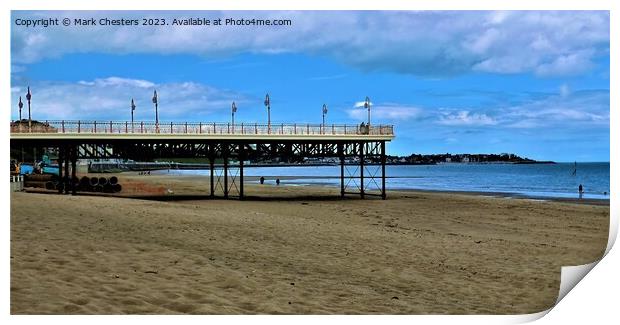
540, 180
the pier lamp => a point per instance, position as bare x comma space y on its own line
156, 113
324, 113
133, 108
268, 105
233, 110
20, 105
28, 97
367, 106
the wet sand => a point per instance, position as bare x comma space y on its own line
298, 250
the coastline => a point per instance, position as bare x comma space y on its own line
517, 196
188, 185
504, 195
549, 181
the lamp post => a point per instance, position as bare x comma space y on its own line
28, 97
367, 105
233, 110
156, 113
133, 108
20, 105
268, 105
324, 113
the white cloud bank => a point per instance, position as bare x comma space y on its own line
385, 112
566, 110
574, 110
426, 43
111, 97
465, 118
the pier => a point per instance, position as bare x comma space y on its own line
230, 144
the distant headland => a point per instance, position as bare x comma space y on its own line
464, 158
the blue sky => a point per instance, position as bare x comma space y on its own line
531, 83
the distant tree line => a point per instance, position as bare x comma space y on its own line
459, 158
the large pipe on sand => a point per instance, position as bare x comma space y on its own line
39, 177
35, 184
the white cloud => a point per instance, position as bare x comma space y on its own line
426, 43
567, 64
566, 110
361, 104
118, 82
570, 109
385, 112
498, 17
480, 44
109, 98
465, 118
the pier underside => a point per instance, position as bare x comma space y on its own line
361, 161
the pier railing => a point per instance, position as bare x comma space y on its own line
141, 127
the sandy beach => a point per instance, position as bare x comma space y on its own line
299, 250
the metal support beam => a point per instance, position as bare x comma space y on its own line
341, 155
61, 153
361, 169
225, 157
383, 158
67, 179
212, 170
241, 158
73, 168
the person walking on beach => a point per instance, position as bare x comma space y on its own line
262, 180
580, 191
277, 181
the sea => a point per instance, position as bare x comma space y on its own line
560, 180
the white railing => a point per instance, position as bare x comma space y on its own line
141, 127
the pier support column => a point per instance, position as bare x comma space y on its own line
211, 170
67, 177
61, 153
383, 170
361, 169
73, 168
225, 156
341, 155
241, 158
